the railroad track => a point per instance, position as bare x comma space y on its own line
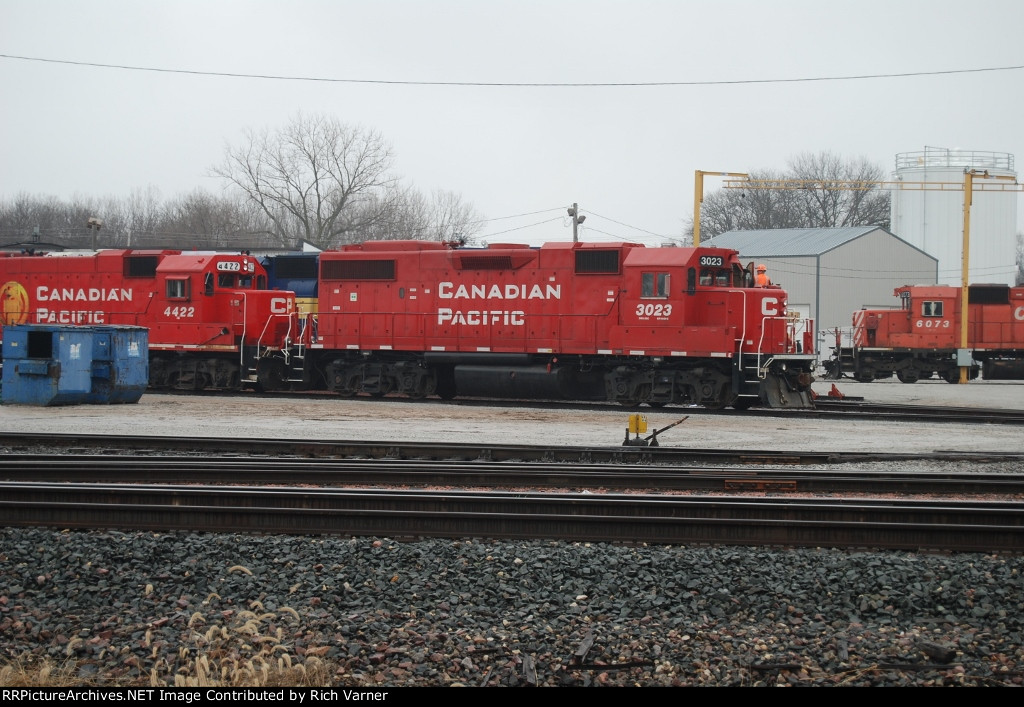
933, 413
582, 517
234, 470
115, 444
825, 407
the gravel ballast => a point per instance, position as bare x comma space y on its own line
149, 606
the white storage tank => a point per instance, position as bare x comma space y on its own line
932, 219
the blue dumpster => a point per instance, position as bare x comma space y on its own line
120, 364
46, 365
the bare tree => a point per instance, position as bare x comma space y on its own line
309, 177
452, 219
852, 199
210, 221
406, 213
398, 213
140, 214
728, 210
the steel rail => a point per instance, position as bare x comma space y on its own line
838, 409
32, 441
403, 472
911, 525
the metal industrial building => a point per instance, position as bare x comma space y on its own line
829, 272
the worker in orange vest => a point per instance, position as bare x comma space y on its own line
762, 276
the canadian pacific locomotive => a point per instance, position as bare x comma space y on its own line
921, 338
586, 321
209, 316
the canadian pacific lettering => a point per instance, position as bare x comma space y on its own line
83, 294
491, 317
448, 290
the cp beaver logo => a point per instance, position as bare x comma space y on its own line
13, 304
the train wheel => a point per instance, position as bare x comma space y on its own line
340, 381
640, 394
718, 404
744, 403
385, 386
909, 375
953, 375
715, 394
271, 375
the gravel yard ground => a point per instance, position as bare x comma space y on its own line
161, 608
432, 420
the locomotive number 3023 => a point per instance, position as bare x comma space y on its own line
653, 310
711, 261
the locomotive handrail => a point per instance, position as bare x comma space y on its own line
762, 370
266, 325
245, 321
743, 331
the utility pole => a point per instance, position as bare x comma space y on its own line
94, 224
576, 221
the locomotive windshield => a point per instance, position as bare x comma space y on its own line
715, 277
232, 281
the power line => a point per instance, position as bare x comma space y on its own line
529, 213
524, 84
517, 228
635, 228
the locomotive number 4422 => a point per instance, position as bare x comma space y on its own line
180, 312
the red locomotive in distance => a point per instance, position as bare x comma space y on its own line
584, 321
922, 337
209, 316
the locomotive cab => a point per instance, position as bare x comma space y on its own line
221, 302
742, 347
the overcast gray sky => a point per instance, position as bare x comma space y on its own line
728, 100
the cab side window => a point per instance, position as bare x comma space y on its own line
654, 284
931, 309
177, 289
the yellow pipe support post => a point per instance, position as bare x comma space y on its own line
698, 197
965, 367
963, 355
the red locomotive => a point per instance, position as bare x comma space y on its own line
922, 337
618, 322
210, 316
